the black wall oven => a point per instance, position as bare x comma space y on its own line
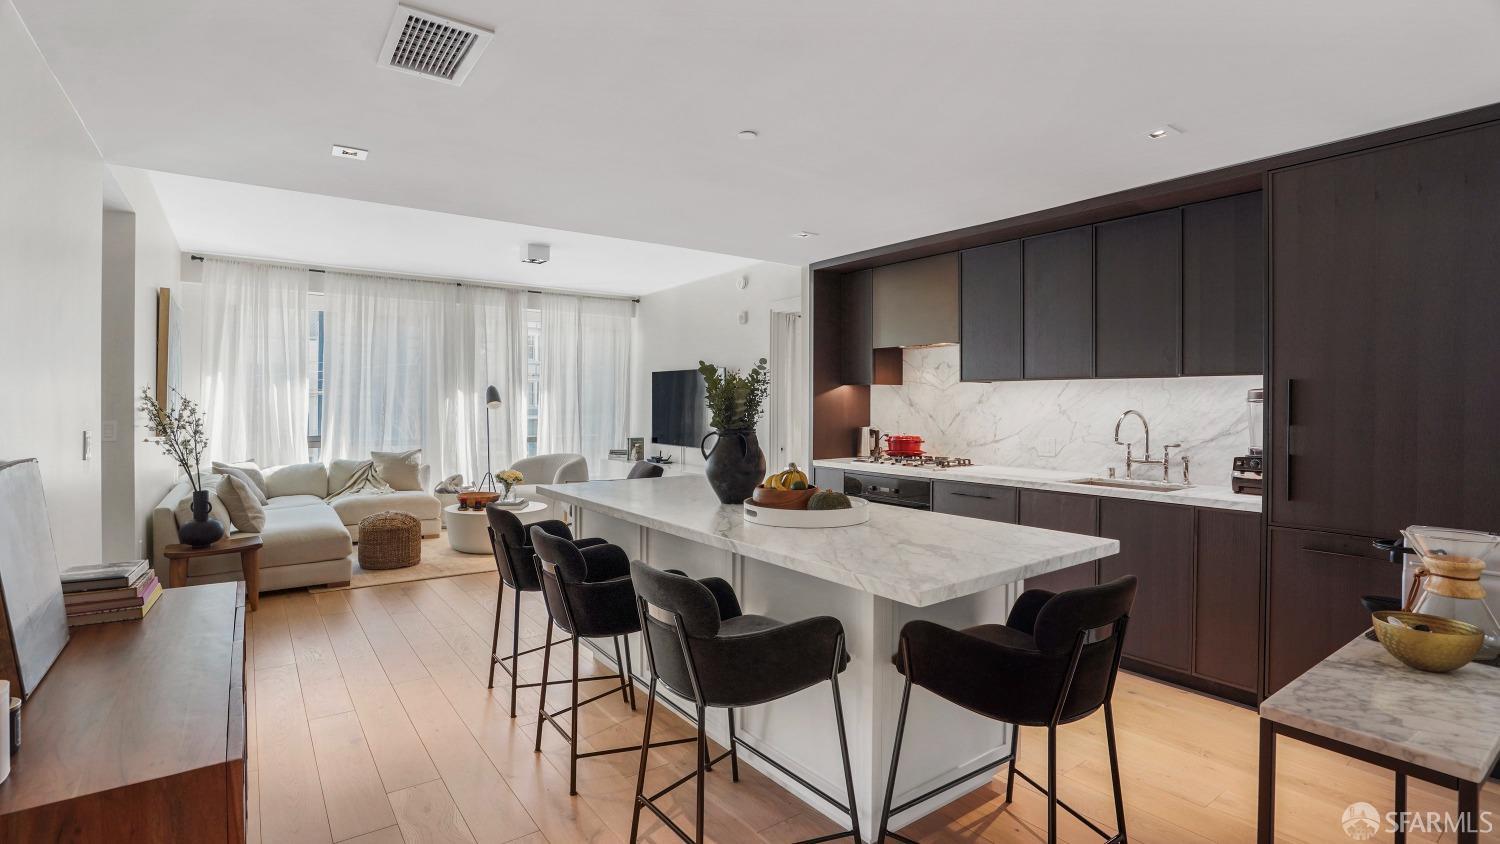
913, 493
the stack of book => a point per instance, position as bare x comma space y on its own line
111, 592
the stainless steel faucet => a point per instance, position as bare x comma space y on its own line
1166, 453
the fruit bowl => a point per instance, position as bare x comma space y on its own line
1427, 642
783, 499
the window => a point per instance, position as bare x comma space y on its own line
315, 384
533, 376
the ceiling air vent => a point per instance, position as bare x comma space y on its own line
433, 46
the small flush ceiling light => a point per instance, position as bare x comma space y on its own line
340, 151
537, 253
805, 235
747, 134
1163, 131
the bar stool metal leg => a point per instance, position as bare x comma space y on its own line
838, 714
1114, 769
890, 783
495, 644
734, 754
1015, 751
640, 778
626, 693
702, 769
1051, 784
541, 707
573, 725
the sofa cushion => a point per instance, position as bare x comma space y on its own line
399, 468
341, 472
423, 505
297, 479
251, 472
295, 535
281, 502
184, 513
244, 506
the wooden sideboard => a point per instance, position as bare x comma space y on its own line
138, 731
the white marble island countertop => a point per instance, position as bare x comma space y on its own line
1197, 495
911, 556
1363, 696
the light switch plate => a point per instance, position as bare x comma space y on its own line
109, 431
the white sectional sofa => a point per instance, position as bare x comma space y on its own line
308, 541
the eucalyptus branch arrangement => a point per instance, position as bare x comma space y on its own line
735, 400
178, 430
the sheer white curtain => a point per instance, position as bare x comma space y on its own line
495, 354
584, 403
603, 376
558, 427
789, 390
388, 371
254, 388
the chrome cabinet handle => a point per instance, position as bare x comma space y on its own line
1286, 445
1352, 556
970, 495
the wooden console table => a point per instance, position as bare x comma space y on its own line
138, 731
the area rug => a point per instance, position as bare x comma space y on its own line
438, 560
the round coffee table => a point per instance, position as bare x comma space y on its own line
469, 530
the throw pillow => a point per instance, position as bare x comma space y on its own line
399, 468
184, 510
252, 471
256, 482
239, 497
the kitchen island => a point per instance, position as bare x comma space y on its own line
900, 566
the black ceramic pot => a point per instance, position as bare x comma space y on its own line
736, 464
201, 531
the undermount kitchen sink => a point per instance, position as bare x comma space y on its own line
1130, 483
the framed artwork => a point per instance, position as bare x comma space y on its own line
33, 621
168, 345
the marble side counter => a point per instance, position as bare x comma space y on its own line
1197, 495
1362, 696
914, 557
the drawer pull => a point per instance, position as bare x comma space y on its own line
1340, 554
970, 495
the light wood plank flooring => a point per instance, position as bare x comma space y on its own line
370, 723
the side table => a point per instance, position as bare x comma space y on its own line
246, 545
469, 530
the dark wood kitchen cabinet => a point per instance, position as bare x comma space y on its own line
1058, 303
1226, 608
990, 308
916, 302
1137, 283
1156, 545
1067, 513
1382, 397
860, 361
979, 501
1313, 588
1224, 286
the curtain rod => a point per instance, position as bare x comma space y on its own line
633, 299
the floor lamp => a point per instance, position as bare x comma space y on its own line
491, 402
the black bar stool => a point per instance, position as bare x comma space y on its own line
516, 560
703, 647
588, 595
1044, 667
645, 469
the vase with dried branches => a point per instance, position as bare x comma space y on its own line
177, 429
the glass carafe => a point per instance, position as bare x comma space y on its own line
1461, 566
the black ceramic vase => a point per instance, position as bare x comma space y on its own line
736, 464
201, 531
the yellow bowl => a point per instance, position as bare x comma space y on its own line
1445, 644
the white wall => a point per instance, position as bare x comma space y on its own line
678, 327
141, 255
51, 226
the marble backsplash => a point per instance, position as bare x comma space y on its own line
1066, 425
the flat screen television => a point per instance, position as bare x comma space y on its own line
678, 413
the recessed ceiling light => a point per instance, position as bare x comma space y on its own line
747, 134
355, 153
1163, 131
805, 235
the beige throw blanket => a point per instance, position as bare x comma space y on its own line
364, 481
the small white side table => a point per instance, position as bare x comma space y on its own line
468, 530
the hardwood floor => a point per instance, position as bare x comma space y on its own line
370, 723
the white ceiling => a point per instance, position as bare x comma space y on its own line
880, 120
228, 218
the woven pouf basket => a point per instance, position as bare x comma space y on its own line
390, 540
